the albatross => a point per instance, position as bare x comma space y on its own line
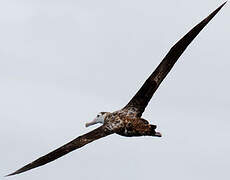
128, 121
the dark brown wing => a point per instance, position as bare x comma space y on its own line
75, 144
143, 96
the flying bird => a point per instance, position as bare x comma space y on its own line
128, 121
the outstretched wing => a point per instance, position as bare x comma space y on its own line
145, 93
74, 144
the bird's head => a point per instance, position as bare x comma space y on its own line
100, 118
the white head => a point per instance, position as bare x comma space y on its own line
100, 118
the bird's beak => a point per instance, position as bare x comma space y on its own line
91, 123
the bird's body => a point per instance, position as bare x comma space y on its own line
128, 121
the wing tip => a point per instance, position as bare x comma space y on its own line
19, 171
14, 173
221, 6
215, 12
225, 3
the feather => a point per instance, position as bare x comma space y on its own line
67, 148
145, 93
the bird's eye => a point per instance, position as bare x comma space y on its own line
98, 115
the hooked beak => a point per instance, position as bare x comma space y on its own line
91, 123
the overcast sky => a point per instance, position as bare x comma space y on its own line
62, 62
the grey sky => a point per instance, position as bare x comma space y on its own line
62, 62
